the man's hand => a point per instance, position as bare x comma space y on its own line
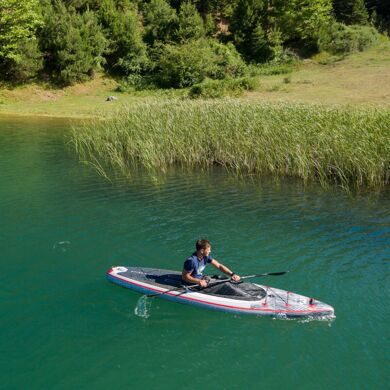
236, 278
203, 283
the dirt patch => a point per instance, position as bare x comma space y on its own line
47, 96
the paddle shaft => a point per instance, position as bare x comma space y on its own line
267, 274
172, 289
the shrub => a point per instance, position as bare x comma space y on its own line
135, 82
338, 38
183, 65
220, 88
286, 56
190, 63
227, 61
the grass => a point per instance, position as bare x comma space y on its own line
346, 146
358, 79
87, 100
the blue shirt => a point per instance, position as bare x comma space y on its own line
196, 266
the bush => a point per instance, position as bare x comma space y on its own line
183, 65
135, 82
338, 38
286, 56
227, 61
220, 88
190, 63
270, 69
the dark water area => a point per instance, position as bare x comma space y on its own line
64, 326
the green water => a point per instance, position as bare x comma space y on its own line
63, 326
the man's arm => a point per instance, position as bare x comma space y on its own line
225, 270
186, 275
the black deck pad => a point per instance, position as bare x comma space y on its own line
242, 291
171, 280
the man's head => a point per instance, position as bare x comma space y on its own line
203, 246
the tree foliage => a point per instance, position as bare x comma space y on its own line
174, 42
247, 28
126, 51
338, 38
190, 24
301, 20
160, 21
20, 57
351, 11
73, 43
191, 62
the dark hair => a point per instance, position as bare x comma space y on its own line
202, 244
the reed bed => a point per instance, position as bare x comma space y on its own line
341, 145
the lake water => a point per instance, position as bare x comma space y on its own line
64, 326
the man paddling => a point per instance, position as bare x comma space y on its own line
193, 267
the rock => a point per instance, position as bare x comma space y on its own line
111, 98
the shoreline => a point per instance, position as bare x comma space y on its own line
109, 114
27, 115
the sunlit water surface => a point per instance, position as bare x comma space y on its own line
64, 326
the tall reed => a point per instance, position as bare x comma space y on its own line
342, 145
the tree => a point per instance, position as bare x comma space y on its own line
379, 12
20, 57
160, 22
259, 46
73, 43
205, 7
190, 24
248, 20
359, 13
126, 51
351, 11
301, 20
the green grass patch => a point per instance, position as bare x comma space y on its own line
271, 69
344, 146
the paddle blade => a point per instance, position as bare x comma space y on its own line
277, 273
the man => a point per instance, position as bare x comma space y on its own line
193, 267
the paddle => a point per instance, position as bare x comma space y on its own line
173, 289
218, 282
267, 274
